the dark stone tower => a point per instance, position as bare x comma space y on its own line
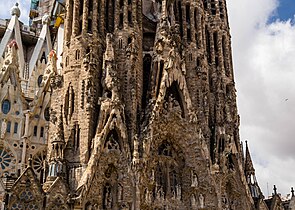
149, 116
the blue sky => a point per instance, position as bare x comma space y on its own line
285, 10
24, 5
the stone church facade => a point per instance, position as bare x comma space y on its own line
138, 111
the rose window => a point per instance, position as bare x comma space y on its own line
38, 162
5, 159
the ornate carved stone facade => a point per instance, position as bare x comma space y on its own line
143, 113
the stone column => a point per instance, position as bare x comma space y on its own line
85, 17
25, 139
69, 20
76, 18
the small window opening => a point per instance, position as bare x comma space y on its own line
81, 7
89, 29
77, 54
43, 58
39, 80
8, 128
15, 127
215, 37
213, 8
120, 43
130, 17
90, 7
35, 130
180, 18
189, 35
121, 21
205, 4
67, 61
208, 45
188, 15
42, 132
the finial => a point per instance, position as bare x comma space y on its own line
292, 191
52, 54
13, 43
46, 19
275, 189
15, 10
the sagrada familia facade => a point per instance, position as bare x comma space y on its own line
123, 104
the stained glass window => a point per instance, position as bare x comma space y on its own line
5, 159
6, 106
15, 127
40, 79
35, 130
8, 128
42, 132
47, 114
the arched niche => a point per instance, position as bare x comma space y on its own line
112, 141
169, 165
147, 62
110, 188
174, 100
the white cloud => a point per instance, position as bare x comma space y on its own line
265, 73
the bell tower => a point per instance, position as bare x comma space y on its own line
148, 106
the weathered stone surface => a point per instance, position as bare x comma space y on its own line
143, 114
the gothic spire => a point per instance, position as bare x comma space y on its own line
249, 169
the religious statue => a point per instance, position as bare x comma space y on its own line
194, 179
178, 192
171, 59
3, 128
112, 144
108, 197
193, 201
109, 54
120, 193
201, 200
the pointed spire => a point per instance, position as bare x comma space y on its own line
275, 190
13, 31
56, 165
249, 169
44, 39
59, 136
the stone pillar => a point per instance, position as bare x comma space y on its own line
85, 17
69, 20
25, 139
76, 18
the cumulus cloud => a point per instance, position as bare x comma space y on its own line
24, 6
264, 61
